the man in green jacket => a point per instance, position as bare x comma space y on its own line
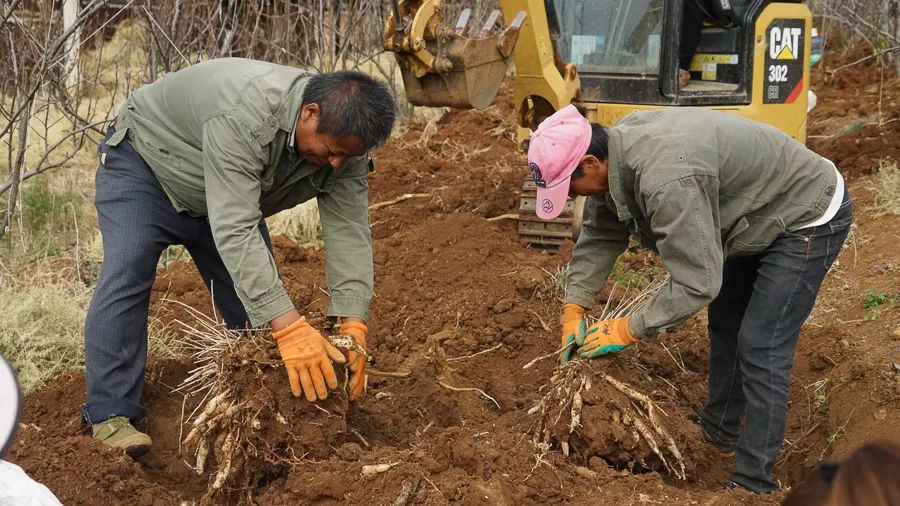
200, 158
746, 220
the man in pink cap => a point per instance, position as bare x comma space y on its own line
746, 220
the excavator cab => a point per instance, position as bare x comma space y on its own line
631, 51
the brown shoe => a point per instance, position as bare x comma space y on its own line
118, 432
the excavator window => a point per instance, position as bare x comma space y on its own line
619, 37
633, 51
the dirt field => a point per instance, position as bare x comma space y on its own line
451, 284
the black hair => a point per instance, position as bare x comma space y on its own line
599, 146
352, 103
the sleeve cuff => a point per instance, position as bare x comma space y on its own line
349, 305
274, 304
584, 298
638, 326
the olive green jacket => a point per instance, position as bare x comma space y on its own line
696, 186
216, 136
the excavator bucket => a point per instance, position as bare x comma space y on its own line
446, 65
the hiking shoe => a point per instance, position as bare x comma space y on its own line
733, 485
725, 447
118, 432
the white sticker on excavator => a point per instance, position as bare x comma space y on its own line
584, 45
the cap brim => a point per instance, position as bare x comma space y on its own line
550, 202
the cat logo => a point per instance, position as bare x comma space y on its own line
784, 42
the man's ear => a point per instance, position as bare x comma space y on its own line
591, 165
310, 112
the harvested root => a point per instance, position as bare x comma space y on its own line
408, 492
225, 468
561, 416
347, 343
561, 411
244, 425
202, 453
372, 470
388, 374
654, 422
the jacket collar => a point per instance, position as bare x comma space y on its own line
290, 109
616, 166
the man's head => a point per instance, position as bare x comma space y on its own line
567, 156
590, 176
343, 114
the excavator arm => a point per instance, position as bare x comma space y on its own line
445, 65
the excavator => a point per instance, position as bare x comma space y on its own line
610, 58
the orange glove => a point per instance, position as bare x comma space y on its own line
307, 356
357, 361
607, 336
572, 318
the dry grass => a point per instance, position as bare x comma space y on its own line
300, 223
41, 328
888, 187
42, 324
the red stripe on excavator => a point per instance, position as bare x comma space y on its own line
795, 93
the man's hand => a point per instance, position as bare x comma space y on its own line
572, 322
357, 361
307, 356
607, 336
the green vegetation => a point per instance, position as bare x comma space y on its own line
50, 216
852, 128
624, 276
876, 299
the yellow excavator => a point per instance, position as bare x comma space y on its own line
610, 58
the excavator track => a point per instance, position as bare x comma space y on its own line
547, 234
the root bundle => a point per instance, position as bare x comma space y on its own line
587, 412
244, 423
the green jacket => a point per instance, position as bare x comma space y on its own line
216, 136
696, 186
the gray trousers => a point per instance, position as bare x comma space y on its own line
754, 326
138, 222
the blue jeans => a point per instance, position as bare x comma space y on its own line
138, 222
754, 326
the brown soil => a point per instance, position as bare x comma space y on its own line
450, 284
856, 122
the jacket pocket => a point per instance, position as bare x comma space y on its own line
752, 234
158, 157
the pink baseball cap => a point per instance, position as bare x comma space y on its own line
554, 151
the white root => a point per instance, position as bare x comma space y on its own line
202, 453
225, 467
575, 412
654, 422
192, 435
347, 343
210, 408
469, 389
651, 441
372, 470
